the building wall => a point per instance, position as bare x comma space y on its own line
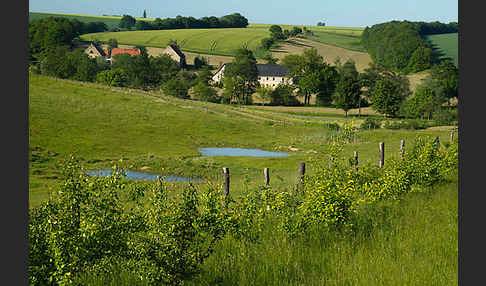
92, 52
273, 81
173, 55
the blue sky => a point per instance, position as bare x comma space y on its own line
342, 13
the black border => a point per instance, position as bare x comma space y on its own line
15, 118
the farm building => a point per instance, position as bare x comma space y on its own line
176, 54
269, 75
117, 51
94, 51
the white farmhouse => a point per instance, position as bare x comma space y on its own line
269, 75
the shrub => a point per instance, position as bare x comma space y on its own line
370, 123
115, 77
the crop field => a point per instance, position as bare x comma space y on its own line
208, 41
447, 45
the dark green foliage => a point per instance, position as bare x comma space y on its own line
241, 77
143, 25
60, 62
412, 124
426, 100
234, 20
283, 95
312, 75
445, 116
177, 87
347, 92
276, 32
267, 43
420, 60
146, 72
127, 22
206, 92
388, 91
447, 74
370, 123
200, 61
400, 46
114, 77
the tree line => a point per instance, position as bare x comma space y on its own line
235, 20
400, 45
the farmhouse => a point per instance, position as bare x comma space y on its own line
95, 51
117, 51
269, 75
176, 54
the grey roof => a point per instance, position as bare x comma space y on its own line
177, 50
271, 70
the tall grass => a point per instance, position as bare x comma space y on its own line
409, 242
412, 242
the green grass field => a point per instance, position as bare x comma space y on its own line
408, 242
447, 44
102, 125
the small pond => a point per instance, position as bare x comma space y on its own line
144, 176
215, 151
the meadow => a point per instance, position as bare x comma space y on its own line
446, 45
410, 241
162, 134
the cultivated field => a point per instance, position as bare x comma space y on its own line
207, 41
329, 52
447, 45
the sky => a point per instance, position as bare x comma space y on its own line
340, 13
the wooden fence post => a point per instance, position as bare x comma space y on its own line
382, 154
355, 161
402, 148
226, 178
452, 136
266, 175
301, 174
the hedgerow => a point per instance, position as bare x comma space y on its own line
93, 224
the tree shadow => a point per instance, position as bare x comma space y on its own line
437, 54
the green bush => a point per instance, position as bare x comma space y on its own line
370, 123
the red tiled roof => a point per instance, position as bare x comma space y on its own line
116, 51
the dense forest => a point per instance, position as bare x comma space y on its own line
400, 45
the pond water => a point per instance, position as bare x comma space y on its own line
215, 151
144, 176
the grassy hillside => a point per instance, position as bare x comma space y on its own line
162, 135
446, 45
